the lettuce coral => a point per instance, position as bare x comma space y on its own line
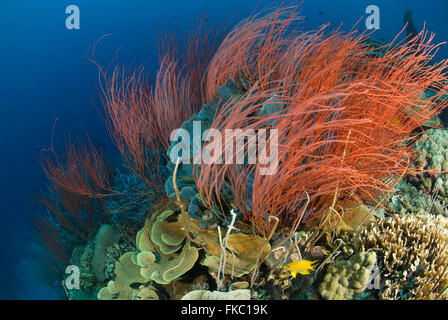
128, 284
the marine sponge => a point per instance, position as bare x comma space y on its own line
186, 184
412, 253
346, 278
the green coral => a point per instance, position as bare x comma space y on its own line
165, 266
162, 256
167, 235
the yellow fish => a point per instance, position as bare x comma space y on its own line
300, 266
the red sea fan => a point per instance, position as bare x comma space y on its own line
346, 128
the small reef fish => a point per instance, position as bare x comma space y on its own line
300, 266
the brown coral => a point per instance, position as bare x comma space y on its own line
412, 252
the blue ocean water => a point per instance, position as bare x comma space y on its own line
45, 75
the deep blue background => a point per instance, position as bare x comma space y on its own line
44, 74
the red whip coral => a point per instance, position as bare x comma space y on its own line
81, 171
347, 122
141, 117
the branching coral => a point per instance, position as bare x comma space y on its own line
412, 254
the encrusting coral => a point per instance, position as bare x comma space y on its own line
346, 278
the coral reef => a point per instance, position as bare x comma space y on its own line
340, 125
412, 254
337, 144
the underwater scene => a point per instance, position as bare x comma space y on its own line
224, 150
